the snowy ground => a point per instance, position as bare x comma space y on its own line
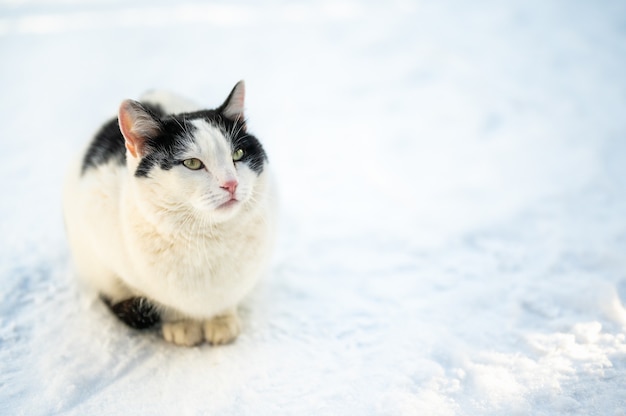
453, 179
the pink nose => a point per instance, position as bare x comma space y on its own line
230, 186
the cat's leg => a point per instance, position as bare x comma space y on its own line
185, 332
223, 328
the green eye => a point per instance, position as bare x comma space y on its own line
193, 164
237, 155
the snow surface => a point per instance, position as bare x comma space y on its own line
453, 180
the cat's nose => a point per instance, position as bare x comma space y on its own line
230, 186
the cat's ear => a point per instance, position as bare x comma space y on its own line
137, 125
233, 106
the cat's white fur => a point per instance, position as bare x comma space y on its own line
166, 238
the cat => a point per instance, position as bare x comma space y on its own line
169, 215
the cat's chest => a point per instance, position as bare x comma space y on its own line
196, 258
203, 275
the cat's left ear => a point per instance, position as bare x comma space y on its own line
137, 125
233, 106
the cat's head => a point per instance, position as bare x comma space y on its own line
204, 163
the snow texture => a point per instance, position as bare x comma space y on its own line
453, 220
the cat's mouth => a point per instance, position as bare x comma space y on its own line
231, 202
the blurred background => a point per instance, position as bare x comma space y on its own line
406, 109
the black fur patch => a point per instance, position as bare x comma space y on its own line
108, 143
163, 149
254, 155
137, 313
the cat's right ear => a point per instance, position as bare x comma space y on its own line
233, 106
137, 125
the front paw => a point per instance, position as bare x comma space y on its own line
186, 332
222, 329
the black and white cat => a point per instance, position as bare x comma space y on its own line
169, 215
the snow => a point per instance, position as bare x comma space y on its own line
453, 218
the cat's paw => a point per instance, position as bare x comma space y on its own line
222, 329
187, 333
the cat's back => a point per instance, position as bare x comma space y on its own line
168, 102
91, 203
106, 146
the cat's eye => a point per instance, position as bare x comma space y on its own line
193, 164
238, 155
